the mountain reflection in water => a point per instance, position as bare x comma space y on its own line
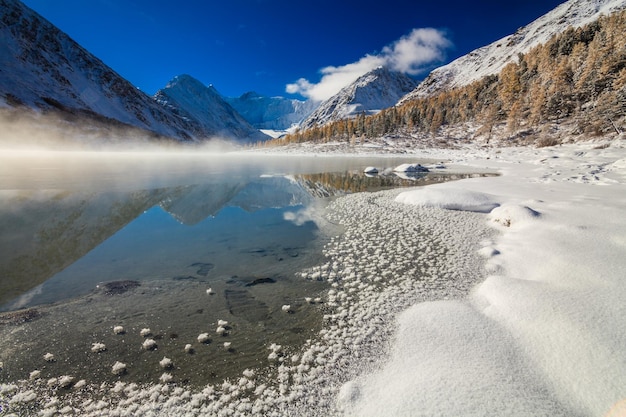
94, 218
172, 243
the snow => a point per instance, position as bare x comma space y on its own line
451, 199
544, 333
410, 168
443, 363
273, 133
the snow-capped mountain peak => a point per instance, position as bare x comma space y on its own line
186, 81
42, 68
492, 58
376, 90
193, 100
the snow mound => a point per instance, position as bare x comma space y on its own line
443, 359
513, 215
410, 168
618, 167
450, 199
619, 164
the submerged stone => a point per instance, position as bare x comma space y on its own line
203, 268
241, 303
118, 287
258, 281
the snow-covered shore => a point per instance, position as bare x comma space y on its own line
544, 334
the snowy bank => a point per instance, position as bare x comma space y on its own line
544, 334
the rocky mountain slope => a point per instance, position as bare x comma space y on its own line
492, 58
370, 93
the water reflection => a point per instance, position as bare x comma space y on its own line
45, 231
89, 242
327, 184
97, 220
74, 240
57, 208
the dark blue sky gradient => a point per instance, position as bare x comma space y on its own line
262, 45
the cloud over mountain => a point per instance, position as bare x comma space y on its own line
411, 54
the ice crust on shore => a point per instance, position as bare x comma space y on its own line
544, 333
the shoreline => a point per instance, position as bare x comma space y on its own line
499, 292
549, 312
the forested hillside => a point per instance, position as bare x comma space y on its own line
574, 86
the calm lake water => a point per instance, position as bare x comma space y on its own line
90, 241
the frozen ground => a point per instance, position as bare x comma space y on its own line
486, 296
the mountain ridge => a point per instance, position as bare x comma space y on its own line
370, 93
491, 59
192, 100
45, 70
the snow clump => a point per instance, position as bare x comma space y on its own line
449, 198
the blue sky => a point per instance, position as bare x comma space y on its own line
268, 45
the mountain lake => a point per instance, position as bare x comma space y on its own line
196, 256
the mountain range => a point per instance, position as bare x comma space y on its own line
275, 113
203, 106
42, 68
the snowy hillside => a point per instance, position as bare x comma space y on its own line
276, 113
192, 100
44, 69
370, 93
41, 67
492, 58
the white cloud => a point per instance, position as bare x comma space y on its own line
335, 78
299, 217
411, 54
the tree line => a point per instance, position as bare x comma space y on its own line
578, 75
